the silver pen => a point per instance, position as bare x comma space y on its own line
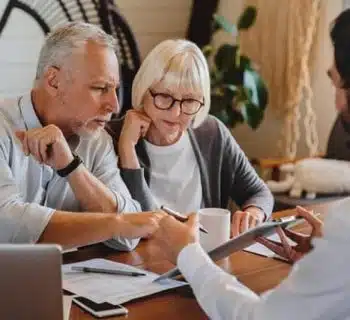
108, 271
180, 217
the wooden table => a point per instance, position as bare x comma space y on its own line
258, 273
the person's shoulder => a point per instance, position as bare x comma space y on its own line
213, 128
210, 124
8, 111
337, 221
9, 115
9, 121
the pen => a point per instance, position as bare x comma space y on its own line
286, 219
296, 219
108, 271
180, 217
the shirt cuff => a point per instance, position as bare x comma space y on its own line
128, 205
33, 223
194, 253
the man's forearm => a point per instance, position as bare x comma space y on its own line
91, 193
73, 229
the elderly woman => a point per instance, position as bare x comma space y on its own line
171, 152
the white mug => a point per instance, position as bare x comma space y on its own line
217, 221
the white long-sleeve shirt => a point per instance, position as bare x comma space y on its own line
318, 286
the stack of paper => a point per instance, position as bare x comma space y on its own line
115, 289
67, 304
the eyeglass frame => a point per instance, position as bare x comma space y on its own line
154, 94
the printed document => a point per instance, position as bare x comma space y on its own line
115, 289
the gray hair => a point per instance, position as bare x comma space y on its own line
60, 44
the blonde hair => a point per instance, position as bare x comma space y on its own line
177, 63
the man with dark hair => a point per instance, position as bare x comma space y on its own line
339, 139
319, 284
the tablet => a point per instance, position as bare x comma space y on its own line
241, 241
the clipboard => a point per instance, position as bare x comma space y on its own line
241, 241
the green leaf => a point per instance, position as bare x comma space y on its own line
207, 50
247, 18
225, 56
263, 93
245, 62
233, 75
253, 82
223, 23
231, 87
252, 114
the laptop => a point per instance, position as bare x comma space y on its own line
30, 282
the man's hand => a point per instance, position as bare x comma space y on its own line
172, 235
47, 145
138, 225
244, 220
303, 242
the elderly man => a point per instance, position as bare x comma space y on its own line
59, 180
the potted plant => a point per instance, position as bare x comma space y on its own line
238, 92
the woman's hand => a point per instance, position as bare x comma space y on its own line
303, 242
244, 220
136, 125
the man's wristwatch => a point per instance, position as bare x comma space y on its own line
64, 172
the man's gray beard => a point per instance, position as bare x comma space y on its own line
86, 134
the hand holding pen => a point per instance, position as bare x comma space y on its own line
180, 217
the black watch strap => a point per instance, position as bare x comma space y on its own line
71, 167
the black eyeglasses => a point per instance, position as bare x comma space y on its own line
164, 101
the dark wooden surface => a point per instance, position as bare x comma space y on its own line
258, 273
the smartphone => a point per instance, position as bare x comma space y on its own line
99, 310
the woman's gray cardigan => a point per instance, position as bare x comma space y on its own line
224, 169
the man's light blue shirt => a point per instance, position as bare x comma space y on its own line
30, 192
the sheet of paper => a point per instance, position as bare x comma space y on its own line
67, 304
261, 250
70, 250
112, 288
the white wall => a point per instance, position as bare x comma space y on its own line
153, 20
263, 142
20, 43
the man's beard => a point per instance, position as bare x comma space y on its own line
85, 133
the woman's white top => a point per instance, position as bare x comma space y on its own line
175, 177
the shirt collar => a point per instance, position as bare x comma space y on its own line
30, 118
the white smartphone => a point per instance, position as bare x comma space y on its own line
99, 310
